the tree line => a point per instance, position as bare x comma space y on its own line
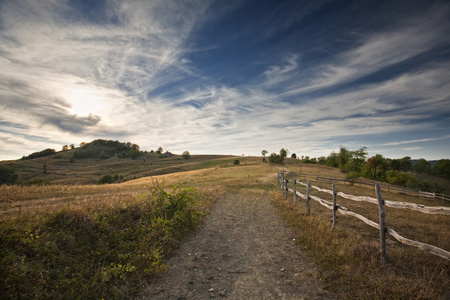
356, 163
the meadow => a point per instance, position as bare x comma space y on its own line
73, 238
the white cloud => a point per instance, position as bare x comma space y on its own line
416, 141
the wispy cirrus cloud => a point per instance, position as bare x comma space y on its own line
379, 50
416, 141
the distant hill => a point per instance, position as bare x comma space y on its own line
88, 164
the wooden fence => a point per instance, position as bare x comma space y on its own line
379, 201
383, 186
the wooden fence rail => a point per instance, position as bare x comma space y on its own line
385, 187
345, 211
443, 210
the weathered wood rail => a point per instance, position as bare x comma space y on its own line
379, 201
383, 186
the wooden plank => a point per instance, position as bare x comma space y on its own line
382, 223
334, 207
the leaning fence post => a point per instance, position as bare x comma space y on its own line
334, 207
295, 191
307, 197
287, 190
382, 224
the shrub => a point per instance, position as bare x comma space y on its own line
106, 179
400, 178
186, 155
276, 159
7, 176
236, 162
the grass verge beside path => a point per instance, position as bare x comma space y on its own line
104, 252
349, 258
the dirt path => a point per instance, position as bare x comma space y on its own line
243, 251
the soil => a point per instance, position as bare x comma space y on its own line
243, 251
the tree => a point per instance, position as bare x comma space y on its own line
442, 167
422, 166
405, 164
72, 146
376, 167
278, 159
343, 158
65, 148
160, 150
294, 156
7, 176
82, 144
264, 152
332, 160
186, 155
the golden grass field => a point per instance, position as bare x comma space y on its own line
347, 257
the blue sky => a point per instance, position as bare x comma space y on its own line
227, 77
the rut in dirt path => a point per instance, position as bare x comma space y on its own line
243, 251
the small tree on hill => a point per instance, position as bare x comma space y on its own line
264, 152
186, 155
65, 148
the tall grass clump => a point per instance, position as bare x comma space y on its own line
107, 252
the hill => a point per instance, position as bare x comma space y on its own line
62, 168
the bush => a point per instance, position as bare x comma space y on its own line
236, 162
186, 155
276, 159
405, 179
7, 176
106, 179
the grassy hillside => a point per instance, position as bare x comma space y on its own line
61, 168
41, 225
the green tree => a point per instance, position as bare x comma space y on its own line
106, 179
7, 176
376, 167
160, 150
332, 160
442, 167
343, 158
422, 166
283, 153
186, 155
264, 152
65, 147
405, 164
294, 156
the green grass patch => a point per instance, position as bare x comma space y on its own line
107, 252
219, 163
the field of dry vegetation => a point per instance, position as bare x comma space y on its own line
75, 238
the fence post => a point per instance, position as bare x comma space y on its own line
382, 224
295, 191
287, 190
334, 207
307, 198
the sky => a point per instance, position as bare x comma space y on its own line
227, 77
